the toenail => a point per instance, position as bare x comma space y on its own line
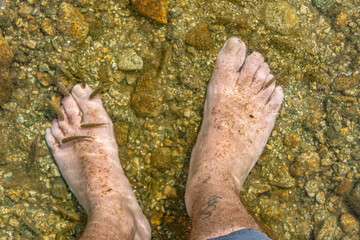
232, 44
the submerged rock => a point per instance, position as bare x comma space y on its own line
145, 97
199, 37
129, 60
354, 199
72, 23
345, 83
5, 63
327, 229
154, 9
281, 17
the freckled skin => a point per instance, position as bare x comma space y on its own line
239, 115
91, 168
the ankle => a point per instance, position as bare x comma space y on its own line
109, 222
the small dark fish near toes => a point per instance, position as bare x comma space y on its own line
73, 138
62, 88
98, 90
64, 70
92, 125
56, 109
34, 150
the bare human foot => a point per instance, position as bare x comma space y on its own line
92, 169
239, 115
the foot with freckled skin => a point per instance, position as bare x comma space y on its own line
239, 114
91, 167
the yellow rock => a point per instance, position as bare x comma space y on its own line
154, 9
156, 218
72, 23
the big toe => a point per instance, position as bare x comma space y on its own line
229, 60
92, 108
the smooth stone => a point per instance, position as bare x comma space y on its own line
281, 17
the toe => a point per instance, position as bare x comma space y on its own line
251, 65
229, 60
260, 77
64, 124
275, 100
51, 141
265, 93
232, 54
72, 110
92, 109
56, 131
268, 78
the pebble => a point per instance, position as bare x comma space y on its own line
30, 44
343, 188
156, 219
145, 98
349, 224
48, 27
72, 23
58, 189
281, 178
354, 198
154, 9
306, 164
5, 53
130, 78
25, 10
345, 83
281, 17
161, 159
170, 192
326, 230
5, 62
199, 37
129, 60
312, 187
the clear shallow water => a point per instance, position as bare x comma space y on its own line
303, 185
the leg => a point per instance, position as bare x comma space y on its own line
92, 169
239, 116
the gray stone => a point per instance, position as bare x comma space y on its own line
129, 60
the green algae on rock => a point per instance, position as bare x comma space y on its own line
281, 17
72, 23
323, 5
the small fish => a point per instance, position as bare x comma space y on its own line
34, 150
73, 138
71, 215
56, 109
64, 70
98, 90
92, 125
28, 224
60, 86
